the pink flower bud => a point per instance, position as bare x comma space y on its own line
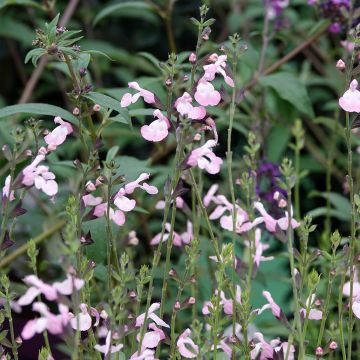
210, 122
29, 152
192, 58
76, 111
177, 305
168, 82
333, 345
340, 64
96, 107
197, 137
104, 315
90, 186
282, 203
319, 351
132, 294
191, 300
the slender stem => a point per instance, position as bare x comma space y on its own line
290, 236
11, 325
326, 310
169, 27
232, 192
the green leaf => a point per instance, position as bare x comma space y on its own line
38, 109
339, 202
112, 153
34, 4
322, 211
16, 30
97, 228
291, 89
97, 52
130, 8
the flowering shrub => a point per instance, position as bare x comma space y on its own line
175, 217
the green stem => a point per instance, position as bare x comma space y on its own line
290, 236
11, 325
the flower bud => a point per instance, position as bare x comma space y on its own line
82, 72
168, 82
76, 111
192, 58
90, 186
319, 351
177, 305
132, 295
191, 300
197, 137
96, 107
340, 65
333, 345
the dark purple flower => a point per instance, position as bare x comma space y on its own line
267, 176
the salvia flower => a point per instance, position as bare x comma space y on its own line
151, 315
314, 314
218, 66
6, 190
83, 321
40, 176
350, 101
205, 159
51, 292
186, 346
54, 324
108, 348
128, 99
206, 94
184, 107
59, 134
147, 354
158, 130
272, 224
152, 338
275, 308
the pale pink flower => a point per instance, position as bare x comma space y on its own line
158, 130
228, 303
218, 67
152, 338
355, 306
259, 249
117, 216
59, 134
147, 354
6, 190
179, 202
206, 307
210, 195
54, 324
151, 315
275, 308
192, 58
83, 321
314, 314
270, 223
90, 200
107, 348
177, 241
262, 349
284, 348
128, 99
340, 64
188, 235
40, 176
204, 158
51, 292
350, 101
206, 94
186, 346
184, 107
348, 45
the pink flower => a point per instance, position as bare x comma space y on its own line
265, 350
314, 314
90, 200
107, 348
218, 67
355, 306
192, 58
271, 223
210, 195
204, 158
206, 94
228, 303
55, 324
128, 99
184, 107
178, 240
51, 292
187, 348
158, 129
117, 216
59, 134
151, 314
340, 64
40, 176
259, 249
275, 308
350, 101
83, 321
152, 338
147, 354
6, 190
